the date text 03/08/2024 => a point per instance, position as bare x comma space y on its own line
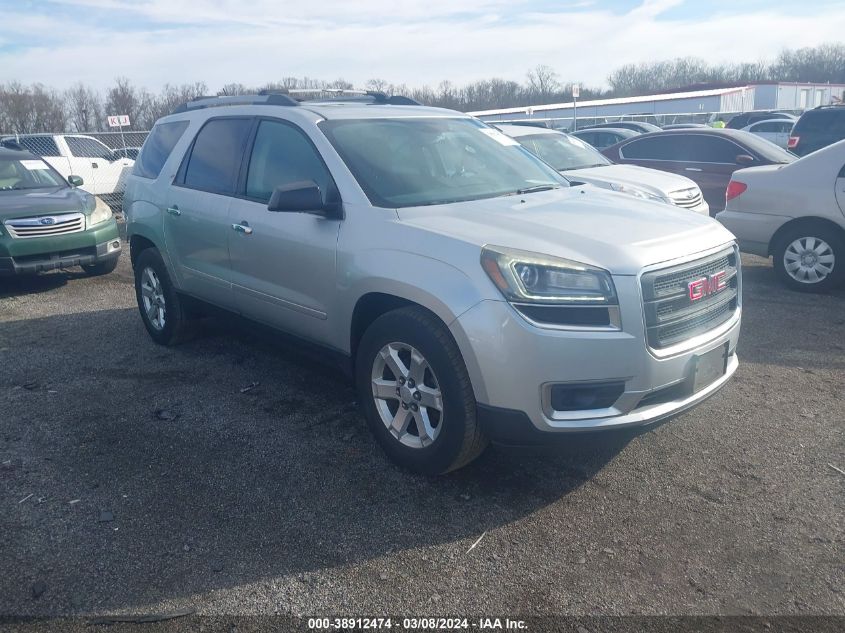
421, 624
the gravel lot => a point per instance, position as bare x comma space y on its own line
136, 478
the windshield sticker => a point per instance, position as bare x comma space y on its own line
498, 136
34, 165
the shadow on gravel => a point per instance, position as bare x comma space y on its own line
33, 284
188, 484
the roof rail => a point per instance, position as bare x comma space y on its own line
270, 98
352, 95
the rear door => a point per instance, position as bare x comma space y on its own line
196, 226
283, 264
711, 160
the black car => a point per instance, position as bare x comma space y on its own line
747, 118
817, 128
637, 126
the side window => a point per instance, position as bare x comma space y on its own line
40, 145
655, 148
282, 155
216, 155
81, 147
157, 148
699, 148
764, 127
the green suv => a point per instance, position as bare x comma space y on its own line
48, 223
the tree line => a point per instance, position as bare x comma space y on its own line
39, 108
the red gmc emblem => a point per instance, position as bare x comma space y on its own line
705, 286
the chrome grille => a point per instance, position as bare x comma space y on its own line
686, 198
46, 225
671, 316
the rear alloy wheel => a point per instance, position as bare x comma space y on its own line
810, 259
163, 310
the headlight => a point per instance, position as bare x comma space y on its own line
99, 210
637, 192
533, 278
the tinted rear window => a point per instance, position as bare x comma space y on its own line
81, 147
217, 154
653, 148
157, 148
822, 121
40, 145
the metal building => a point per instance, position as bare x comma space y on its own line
696, 105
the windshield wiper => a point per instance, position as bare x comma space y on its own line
535, 189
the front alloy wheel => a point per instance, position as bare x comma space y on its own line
415, 392
407, 395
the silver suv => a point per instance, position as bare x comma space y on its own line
474, 294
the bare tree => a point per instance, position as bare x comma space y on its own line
169, 98
125, 98
84, 108
543, 82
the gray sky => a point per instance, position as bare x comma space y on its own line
153, 42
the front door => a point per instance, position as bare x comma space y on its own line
283, 264
195, 212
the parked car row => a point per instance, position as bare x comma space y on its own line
478, 283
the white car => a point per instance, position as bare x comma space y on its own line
796, 214
774, 130
580, 162
102, 172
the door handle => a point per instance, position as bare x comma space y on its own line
691, 169
95, 165
174, 210
243, 228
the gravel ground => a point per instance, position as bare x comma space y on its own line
135, 478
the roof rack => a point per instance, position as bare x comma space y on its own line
290, 98
352, 95
273, 98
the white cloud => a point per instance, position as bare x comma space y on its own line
413, 42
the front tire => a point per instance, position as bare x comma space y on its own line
810, 258
415, 392
163, 310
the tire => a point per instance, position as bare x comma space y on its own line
815, 240
100, 268
457, 437
179, 324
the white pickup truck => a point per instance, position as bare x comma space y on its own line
102, 170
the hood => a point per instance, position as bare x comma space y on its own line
652, 180
614, 231
22, 204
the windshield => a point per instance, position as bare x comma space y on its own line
563, 152
425, 161
27, 173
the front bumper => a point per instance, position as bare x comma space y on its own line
29, 256
512, 364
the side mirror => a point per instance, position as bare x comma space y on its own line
744, 159
301, 197
74, 181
